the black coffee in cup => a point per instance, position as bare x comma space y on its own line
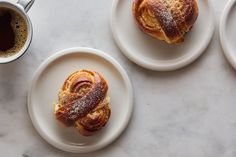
13, 32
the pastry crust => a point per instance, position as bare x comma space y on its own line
83, 102
167, 20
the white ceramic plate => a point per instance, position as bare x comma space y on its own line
228, 32
45, 87
156, 55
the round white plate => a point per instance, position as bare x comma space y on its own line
228, 32
45, 86
157, 55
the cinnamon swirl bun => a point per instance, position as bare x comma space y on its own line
167, 20
83, 102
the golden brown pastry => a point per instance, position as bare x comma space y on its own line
83, 102
167, 20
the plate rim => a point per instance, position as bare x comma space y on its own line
101, 54
160, 67
222, 33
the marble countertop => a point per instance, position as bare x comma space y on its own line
186, 113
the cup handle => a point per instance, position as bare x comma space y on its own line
26, 4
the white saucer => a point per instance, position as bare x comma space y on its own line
44, 90
156, 55
228, 32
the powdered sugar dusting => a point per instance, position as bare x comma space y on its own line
87, 103
163, 14
167, 18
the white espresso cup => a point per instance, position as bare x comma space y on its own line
21, 7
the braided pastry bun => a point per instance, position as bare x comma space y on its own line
167, 20
83, 102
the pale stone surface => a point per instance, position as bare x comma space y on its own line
186, 113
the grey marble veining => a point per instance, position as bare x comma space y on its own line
186, 113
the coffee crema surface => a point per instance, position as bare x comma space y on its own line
13, 32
